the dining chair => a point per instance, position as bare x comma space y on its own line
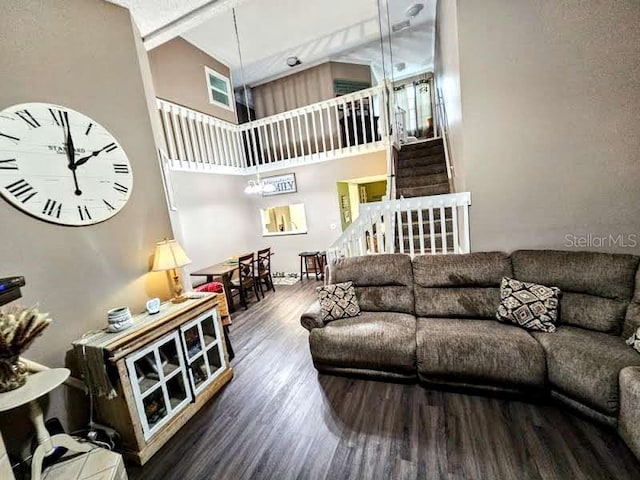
247, 279
264, 270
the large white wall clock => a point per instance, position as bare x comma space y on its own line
61, 166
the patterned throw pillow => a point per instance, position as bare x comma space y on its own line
634, 340
338, 301
529, 305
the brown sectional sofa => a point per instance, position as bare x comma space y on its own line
432, 320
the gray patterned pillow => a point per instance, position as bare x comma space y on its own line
338, 301
634, 340
529, 305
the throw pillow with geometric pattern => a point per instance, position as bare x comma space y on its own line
338, 301
529, 305
634, 340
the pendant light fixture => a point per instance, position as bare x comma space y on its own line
257, 186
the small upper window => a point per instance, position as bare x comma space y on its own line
219, 89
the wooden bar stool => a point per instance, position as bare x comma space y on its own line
309, 263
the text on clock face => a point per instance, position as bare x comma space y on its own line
61, 166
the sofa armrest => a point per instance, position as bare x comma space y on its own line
311, 318
629, 421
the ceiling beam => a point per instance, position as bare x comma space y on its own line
187, 21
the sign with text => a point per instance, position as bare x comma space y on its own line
283, 183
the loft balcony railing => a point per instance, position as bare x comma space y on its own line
347, 125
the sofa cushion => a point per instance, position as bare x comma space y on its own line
596, 287
459, 286
374, 340
584, 365
383, 282
478, 352
337, 301
529, 305
632, 319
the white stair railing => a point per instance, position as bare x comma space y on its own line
437, 224
345, 125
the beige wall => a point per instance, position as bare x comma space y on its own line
317, 189
308, 86
218, 220
550, 102
76, 274
178, 74
447, 67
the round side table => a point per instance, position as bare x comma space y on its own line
37, 385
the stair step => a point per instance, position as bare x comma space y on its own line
437, 228
421, 146
404, 171
421, 181
437, 189
421, 160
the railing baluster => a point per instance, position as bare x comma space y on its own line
274, 148
421, 230
256, 158
364, 131
410, 232
282, 157
454, 226
345, 125
207, 140
261, 156
371, 122
215, 138
199, 140
400, 232
353, 118
329, 122
465, 216
338, 131
315, 131
379, 233
185, 136
300, 137
168, 130
286, 137
443, 229
432, 233
306, 126
324, 140
242, 155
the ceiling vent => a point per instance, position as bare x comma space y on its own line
414, 10
396, 27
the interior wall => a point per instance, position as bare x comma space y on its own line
77, 274
177, 68
550, 101
447, 79
305, 87
218, 220
214, 215
317, 190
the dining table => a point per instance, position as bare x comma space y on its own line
223, 270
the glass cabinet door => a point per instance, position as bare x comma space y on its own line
202, 343
158, 376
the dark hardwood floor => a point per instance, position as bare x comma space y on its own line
279, 419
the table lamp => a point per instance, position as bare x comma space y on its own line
169, 255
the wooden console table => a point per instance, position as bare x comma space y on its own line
167, 366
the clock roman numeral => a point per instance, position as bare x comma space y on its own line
110, 147
60, 118
21, 190
8, 164
120, 188
27, 117
88, 129
84, 213
109, 206
52, 208
121, 168
15, 139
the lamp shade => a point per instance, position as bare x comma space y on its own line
169, 254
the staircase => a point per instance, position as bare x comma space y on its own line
422, 170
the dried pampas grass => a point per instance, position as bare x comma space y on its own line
19, 327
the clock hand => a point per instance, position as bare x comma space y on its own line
71, 154
84, 160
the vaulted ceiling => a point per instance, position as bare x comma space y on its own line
272, 30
